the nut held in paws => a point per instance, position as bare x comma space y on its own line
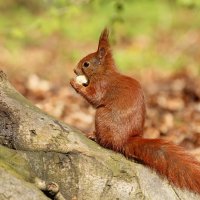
81, 79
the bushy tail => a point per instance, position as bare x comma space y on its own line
168, 160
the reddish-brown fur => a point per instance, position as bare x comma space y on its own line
120, 116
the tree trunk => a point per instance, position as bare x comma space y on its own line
34, 144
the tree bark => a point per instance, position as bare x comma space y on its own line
53, 151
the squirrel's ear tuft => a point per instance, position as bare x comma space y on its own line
104, 45
104, 35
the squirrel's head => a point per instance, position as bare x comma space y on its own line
98, 62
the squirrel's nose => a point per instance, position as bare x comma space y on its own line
75, 71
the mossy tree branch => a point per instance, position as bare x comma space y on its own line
53, 151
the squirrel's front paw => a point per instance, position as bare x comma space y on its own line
72, 82
75, 85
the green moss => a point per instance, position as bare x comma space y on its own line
13, 161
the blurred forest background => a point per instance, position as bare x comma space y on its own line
156, 41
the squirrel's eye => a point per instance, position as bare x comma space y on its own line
86, 64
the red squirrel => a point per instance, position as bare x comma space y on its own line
120, 117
